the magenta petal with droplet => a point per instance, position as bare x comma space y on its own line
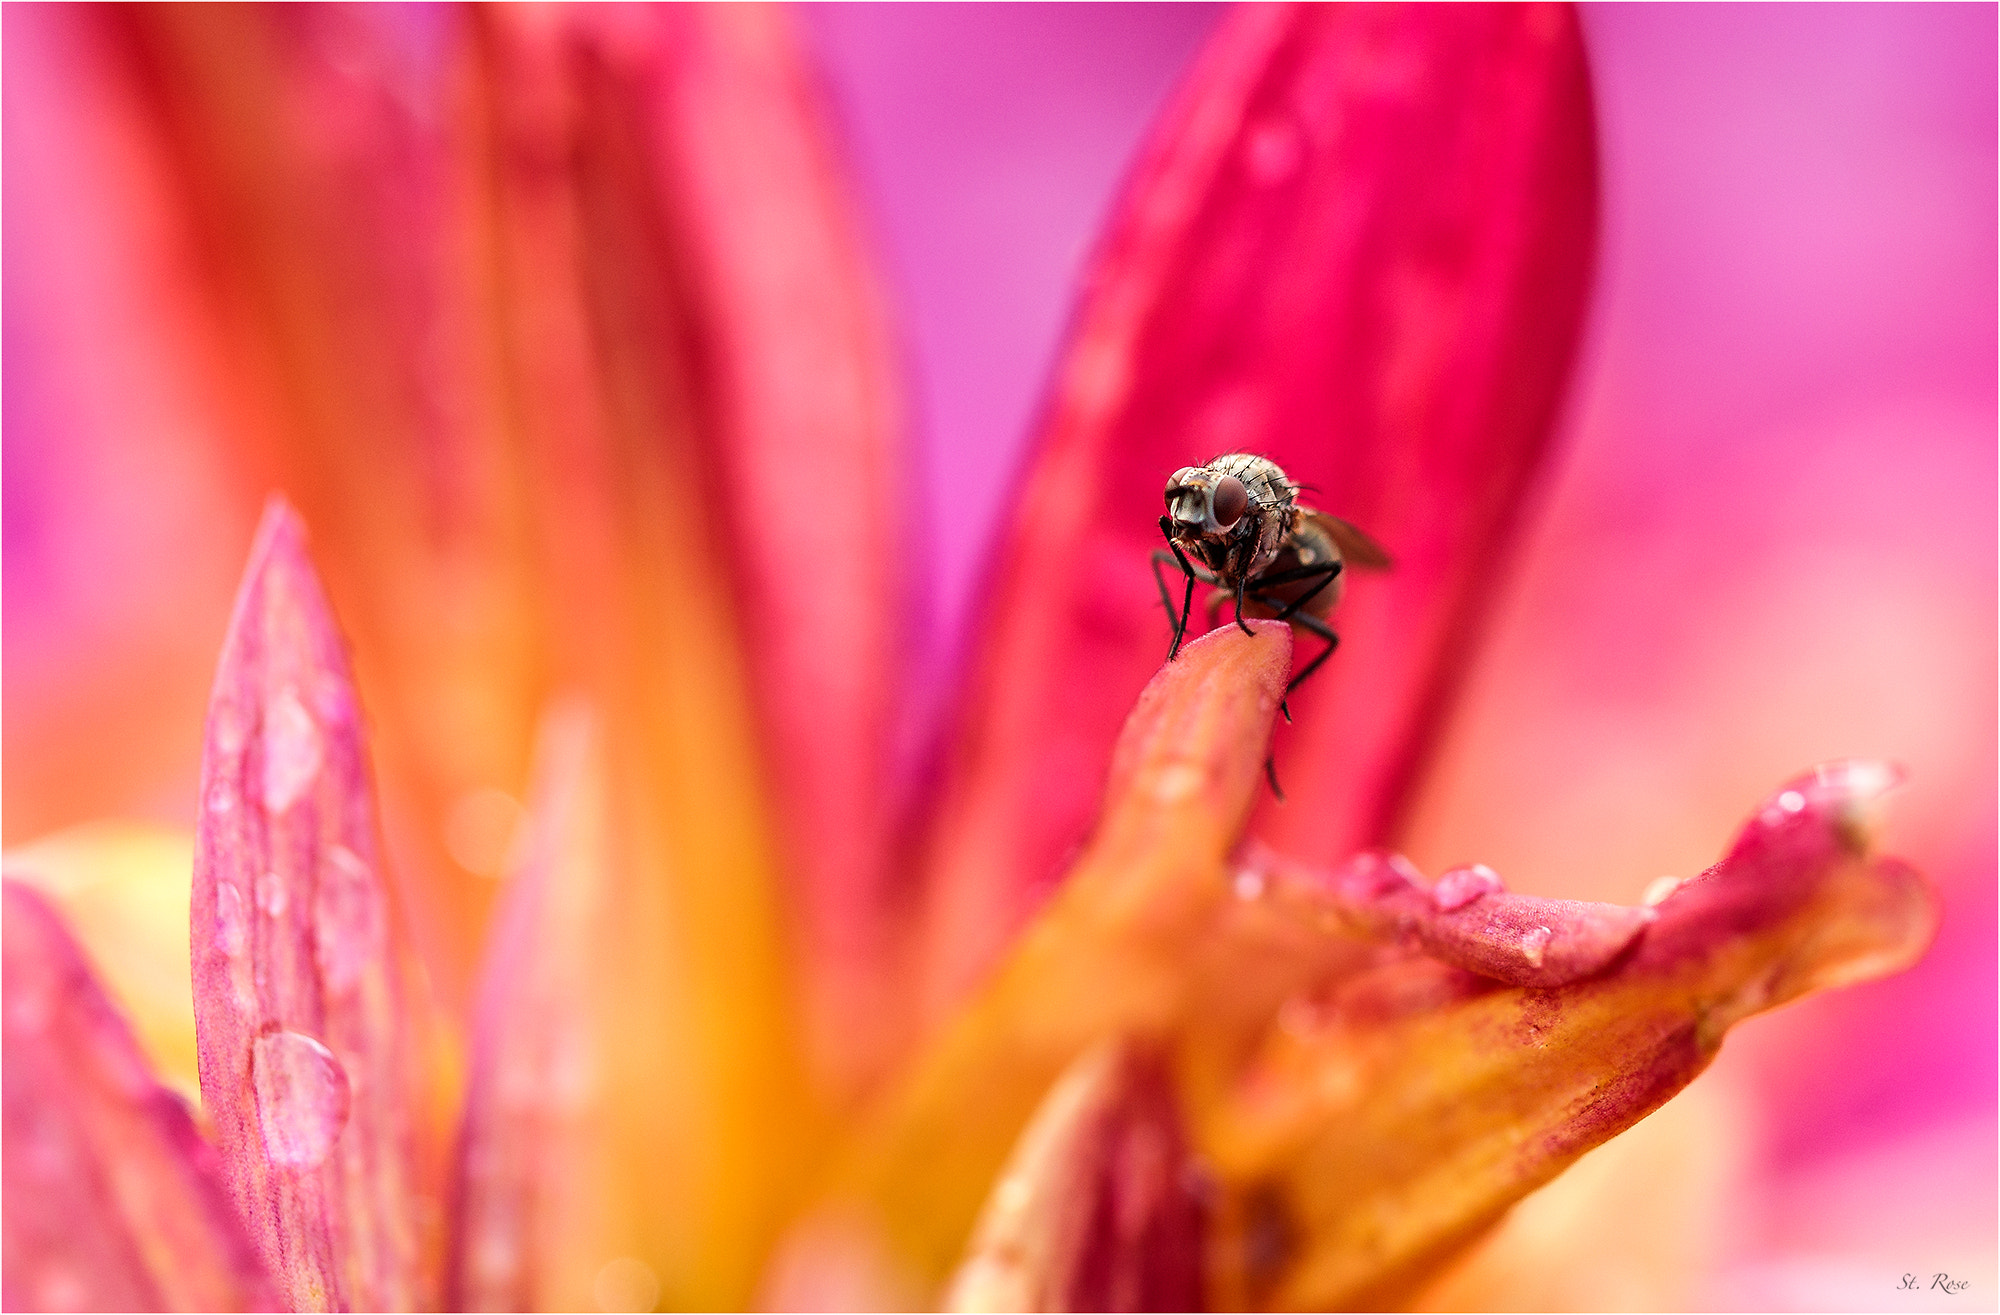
298, 1001
113, 1200
1382, 1140
1359, 245
1467, 920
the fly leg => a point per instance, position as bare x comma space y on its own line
1163, 558
1166, 599
1290, 612
1271, 775
1239, 610
1324, 631
1327, 573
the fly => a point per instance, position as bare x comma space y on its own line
1240, 519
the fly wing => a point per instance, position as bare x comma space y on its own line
1355, 547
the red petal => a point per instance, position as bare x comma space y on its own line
113, 1200
1100, 1207
298, 1006
1360, 246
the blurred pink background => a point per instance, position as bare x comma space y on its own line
1769, 540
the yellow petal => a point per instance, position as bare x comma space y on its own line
123, 888
1108, 957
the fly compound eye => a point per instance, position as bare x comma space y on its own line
1231, 501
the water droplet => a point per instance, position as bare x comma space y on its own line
480, 829
302, 1098
1460, 886
292, 752
232, 927
1177, 781
1658, 889
226, 729
1861, 778
625, 1283
45, 1154
271, 895
495, 1257
28, 1009
1791, 801
570, 1080
347, 920
333, 700
1248, 885
1273, 151
61, 1289
1299, 1016
1534, 943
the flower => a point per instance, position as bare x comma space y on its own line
642, 245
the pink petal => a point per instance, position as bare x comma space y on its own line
298, 997
1465, 919
1100, 1206
809, 475
532, 1219
113, 1200
1360, 245
1380, 1131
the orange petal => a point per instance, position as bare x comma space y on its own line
1414, 1104
1358, 245
113, 1200
1099, 1207
1107, 958
808, 474
550, 1176
299, 1011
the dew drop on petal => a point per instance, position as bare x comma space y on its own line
333, 700
28, 1009
1247, 885
1791, 801
1460, 886
1273, 151
1299, 1016
227, 730
347, 920
271, 895
495, 1258
625, 1283
481, 828
60, 1289
302, 1098
1177, 781
292, 751
1534, 943
232, 926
